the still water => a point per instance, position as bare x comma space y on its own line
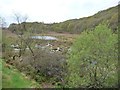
44, 37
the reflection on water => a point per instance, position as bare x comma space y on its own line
44, 37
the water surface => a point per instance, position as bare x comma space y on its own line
44, 37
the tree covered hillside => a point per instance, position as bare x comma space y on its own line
74, 25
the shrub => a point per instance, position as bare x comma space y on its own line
46, 64
93, 59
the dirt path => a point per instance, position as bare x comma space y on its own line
47, 85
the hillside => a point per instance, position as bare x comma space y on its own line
12, 78
88, 55
78, 25
75, 25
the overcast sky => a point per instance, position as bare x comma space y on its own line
50, 11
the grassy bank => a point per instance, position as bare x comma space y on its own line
12, 78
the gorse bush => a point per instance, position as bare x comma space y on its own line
93, 59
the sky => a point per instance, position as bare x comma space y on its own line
50, 11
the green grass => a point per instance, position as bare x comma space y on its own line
12, 78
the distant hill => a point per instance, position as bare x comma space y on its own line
75, 25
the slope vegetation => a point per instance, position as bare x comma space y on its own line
12, 78
74, 25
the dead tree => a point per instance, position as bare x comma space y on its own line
21, 28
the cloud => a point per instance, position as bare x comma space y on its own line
53, 10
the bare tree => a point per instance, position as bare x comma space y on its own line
2, 22
21, 23
20, 31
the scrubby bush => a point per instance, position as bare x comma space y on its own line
93, 59
44, 65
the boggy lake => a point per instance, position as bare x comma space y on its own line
44, 37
